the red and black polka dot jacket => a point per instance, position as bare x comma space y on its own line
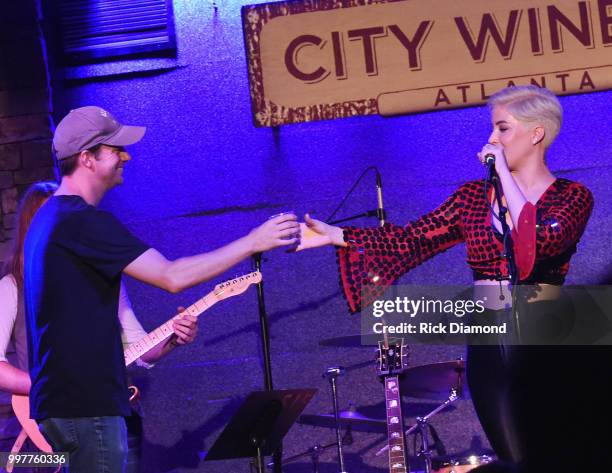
544, 241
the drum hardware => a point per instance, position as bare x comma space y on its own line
313, 452
461, 464
350, 418
422, 427
430, 381
435, 380
332, 374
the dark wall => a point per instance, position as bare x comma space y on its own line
204, 175
25, 111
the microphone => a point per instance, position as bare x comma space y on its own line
380, 211
490, 164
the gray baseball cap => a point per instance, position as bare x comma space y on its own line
86, 127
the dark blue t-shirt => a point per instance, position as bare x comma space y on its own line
74, 255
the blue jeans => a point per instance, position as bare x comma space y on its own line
94, 444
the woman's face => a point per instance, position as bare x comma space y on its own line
515, 137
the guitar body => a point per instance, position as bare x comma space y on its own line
21, 407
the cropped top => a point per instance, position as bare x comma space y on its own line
544, 241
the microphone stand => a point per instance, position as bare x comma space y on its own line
369, 213
263, 317
265, 342
379, 213
507, 241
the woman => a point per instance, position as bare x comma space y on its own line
14, 377
525, 396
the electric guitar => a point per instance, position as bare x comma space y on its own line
233, 287
162, 333
392, 360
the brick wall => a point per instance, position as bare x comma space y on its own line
25, 110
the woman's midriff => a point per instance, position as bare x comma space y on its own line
497, 294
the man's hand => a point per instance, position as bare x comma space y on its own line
282, 230
153, 268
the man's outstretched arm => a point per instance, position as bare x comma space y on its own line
174, 276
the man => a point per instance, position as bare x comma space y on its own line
14, 378
74, 257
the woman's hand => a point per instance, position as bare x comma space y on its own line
185, 328
498, 152
315, 233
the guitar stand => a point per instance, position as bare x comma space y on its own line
422, 427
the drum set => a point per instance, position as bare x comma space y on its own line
441, 381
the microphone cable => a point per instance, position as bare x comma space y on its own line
348, 194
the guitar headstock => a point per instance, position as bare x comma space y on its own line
236, 286
392, 357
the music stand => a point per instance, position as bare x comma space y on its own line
260, 424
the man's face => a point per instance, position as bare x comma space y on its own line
109, 164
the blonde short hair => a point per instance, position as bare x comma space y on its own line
532, 104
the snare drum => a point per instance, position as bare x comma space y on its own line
462, 465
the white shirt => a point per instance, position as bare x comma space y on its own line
8, 312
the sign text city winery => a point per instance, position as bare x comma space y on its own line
411, 55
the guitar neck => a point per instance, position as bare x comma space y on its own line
165, 331
395, 426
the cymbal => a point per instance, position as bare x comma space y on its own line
355, 419
435, 380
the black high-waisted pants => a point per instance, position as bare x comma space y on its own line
545, 408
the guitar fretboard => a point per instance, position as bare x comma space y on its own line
395, 427
165, 331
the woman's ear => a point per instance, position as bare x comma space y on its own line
538, 134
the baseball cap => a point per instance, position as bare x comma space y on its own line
86, 127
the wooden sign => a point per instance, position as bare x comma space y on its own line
324, 59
